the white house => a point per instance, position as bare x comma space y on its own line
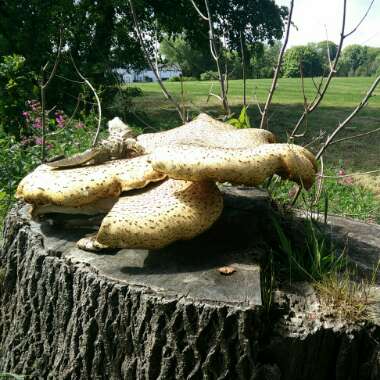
165, 72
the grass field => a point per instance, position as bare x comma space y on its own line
358, 155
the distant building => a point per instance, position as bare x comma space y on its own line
129, 76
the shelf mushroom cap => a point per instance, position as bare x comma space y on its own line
160, 214
206, 131
238, 166
84, 185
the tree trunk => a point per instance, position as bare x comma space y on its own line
168, 314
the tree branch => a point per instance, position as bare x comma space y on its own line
341, 126
150, 63
216, 57
333, 67
43, 87
95, 140
264, 115
362, 19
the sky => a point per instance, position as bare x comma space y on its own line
313, 17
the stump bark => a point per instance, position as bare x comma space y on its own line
169, 314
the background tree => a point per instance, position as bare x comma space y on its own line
178, 51
307, 56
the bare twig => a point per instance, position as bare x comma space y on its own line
361, 20
43, 87
198, 10
95, 140
242, 48
264, 115
151, 64
354, 136
348, 175
342, 125
333, 66
216, 57
328, 48
319, 183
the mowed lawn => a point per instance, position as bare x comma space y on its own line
360, 154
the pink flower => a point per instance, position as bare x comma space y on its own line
37, 123
38, 140
60, 120
341, 172
26, 115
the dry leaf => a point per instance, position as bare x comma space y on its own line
226, 270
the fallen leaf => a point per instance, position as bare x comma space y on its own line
226, 271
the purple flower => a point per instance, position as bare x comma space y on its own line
38, 140
26, 115
60, 120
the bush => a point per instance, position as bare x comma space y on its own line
16, 86
184, 79
209, 75
132, 91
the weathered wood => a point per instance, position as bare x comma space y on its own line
67, 314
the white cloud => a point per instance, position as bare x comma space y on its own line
313, 17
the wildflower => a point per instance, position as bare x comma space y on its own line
37, 123
38, 140
60, 120
26, 115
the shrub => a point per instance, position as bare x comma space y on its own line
209, 75
184, 79
16, 86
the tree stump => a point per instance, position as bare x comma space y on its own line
168, 314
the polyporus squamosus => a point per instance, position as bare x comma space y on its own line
185, 163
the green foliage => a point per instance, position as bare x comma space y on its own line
242, 121
209, 75
183, 79
302, 57
314, 260
192, 60
11, 376
262, 65
344, 198
17, 84
358, 60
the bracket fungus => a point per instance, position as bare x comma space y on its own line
159, 215
160, 187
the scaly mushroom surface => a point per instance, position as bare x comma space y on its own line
239, 166
156, 216
83, 185
208, 132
